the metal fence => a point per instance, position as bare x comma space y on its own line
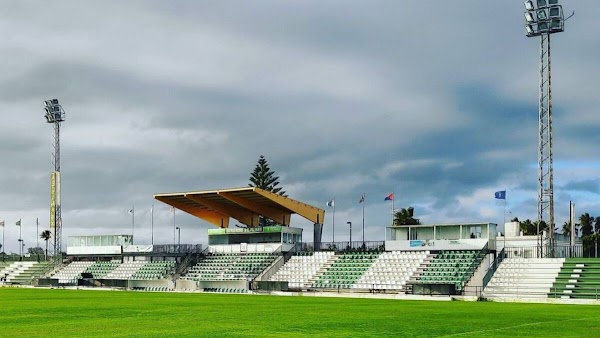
545, 251
344, 246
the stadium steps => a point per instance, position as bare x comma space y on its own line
530, 278
579, 278
71, 272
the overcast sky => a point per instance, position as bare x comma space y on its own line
433, 100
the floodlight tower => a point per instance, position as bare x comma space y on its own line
543, 19
55, 115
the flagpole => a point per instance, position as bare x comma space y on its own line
152, 222
20, 239
363, 220
132, 223
393, 197
333, 224
173, 225
37, 230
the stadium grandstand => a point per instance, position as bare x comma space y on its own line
268, 254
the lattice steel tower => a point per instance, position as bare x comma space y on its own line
543, 19
55, 115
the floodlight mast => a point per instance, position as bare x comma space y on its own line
55, 115
542, 19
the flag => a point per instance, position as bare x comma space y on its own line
1, 223
331, 203
500, 195
18, 223
131, 211
362, 198
389, 197
152, 209
172, 209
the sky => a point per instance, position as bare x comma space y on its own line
435, 101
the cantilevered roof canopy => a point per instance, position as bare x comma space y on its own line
242, 204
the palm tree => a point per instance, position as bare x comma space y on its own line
567, 229
45, 235
586, 222
405, 217
528, 227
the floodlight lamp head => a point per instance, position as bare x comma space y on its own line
529, 17
529, 5
529, 29
541, 3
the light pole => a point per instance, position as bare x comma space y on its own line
542, 19
178, 235
55, 115
350, 224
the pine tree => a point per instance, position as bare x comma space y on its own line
263, 177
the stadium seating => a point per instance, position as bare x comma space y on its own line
303, 266
154, 270
126, 270
101, 269
230, 266
391, 270
71, 273
23, 272
137, 270
225, 290
346, 270
450, 267
578, 278
530, 278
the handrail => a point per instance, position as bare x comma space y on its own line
475, 264
493, 267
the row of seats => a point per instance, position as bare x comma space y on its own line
137, 270
230, 266
151, 288
22, 273
346, 270
225, 290
450, 267
301, 267
391, 271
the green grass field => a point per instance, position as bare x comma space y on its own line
55, 313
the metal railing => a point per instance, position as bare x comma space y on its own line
493, 267
344, 246
177, 248
474, 265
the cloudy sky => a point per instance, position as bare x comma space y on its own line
434, 100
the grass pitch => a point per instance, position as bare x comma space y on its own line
72, 313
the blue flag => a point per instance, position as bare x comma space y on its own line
500, 195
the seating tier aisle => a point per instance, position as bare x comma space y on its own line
524, 278
230, 266
451, 267
391, 270
578, 278
346, 270
303, 266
